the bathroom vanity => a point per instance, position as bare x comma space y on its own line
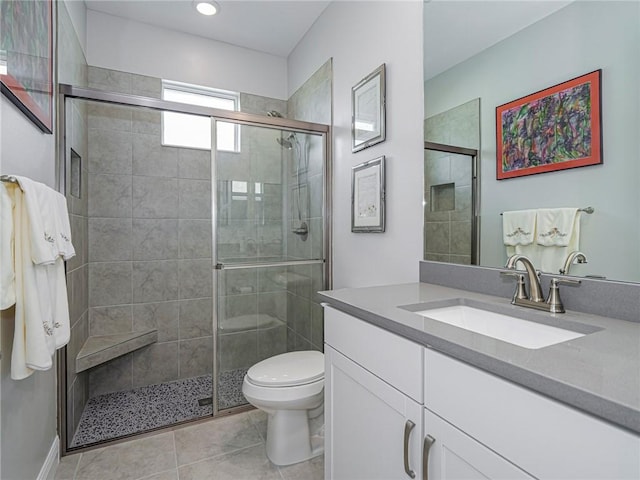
407, 396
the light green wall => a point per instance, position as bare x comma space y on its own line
578, 39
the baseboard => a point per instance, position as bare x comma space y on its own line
48, 470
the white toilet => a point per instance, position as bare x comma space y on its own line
290, 389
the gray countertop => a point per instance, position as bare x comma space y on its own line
598, 373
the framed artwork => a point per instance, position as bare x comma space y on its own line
26, 58
553, 129
368, 110
367, 197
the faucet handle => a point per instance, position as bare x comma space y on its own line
521, 289
554, 301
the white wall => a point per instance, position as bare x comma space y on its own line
578, 39
361, 35
78, 13
158, 52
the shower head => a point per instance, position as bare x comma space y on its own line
287, 142
284, 143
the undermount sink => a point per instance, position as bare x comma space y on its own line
517, 331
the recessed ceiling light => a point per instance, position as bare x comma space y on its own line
207, 7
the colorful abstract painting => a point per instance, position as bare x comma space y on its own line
26, 58
554, 129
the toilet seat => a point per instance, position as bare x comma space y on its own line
288, 370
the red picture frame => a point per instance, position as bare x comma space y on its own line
554, 129
26, 75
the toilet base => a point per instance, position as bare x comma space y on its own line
288, 438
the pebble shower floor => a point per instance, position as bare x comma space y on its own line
117, 414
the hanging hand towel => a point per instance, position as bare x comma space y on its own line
42, 241
518, 227
557, 234
63, 228
557, 227
7, 269
41, 209
32, 341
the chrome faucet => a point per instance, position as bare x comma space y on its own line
573, 257
534, 280
536, 300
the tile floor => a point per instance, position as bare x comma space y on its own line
227, 448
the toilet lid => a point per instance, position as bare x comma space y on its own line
288, 369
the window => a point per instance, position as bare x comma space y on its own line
193, 131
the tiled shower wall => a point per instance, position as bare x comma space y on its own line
72, 69
149, 241
311, 103
447, 184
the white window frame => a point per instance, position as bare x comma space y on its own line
205, 92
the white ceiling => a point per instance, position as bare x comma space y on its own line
455, 30
270, 26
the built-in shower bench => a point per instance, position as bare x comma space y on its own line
102, 348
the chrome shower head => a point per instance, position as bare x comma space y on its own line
287, 142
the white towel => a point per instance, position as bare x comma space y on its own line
32, 343
42, 239
41, 206
557, 227
518, 227
551, 257
7, 269
63, 228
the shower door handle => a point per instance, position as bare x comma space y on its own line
408, 427
285, 263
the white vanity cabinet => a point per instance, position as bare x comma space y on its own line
483, 426
372, 430
453, 455
472, 414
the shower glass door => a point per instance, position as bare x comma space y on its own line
269, 248
141, 304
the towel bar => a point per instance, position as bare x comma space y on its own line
588, 210
8, 179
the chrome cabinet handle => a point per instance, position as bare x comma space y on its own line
408, 427
426, 447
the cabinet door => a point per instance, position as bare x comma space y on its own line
366, 421
454, 455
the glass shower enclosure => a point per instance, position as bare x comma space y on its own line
194, 264
270, 250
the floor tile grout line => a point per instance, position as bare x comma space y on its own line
231, 452
175, 449
157, 473
75, 471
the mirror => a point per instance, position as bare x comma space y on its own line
501, 51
